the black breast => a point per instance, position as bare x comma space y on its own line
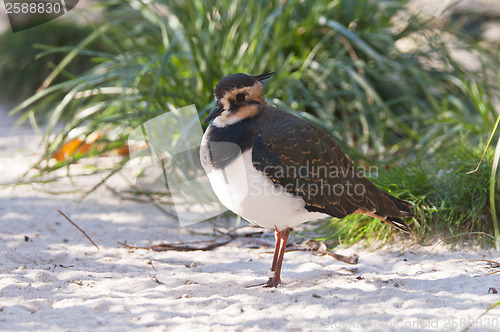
224, 144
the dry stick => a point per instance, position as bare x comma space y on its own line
113, 172
355, 59
81, 230
492, 263
187, 246
452, 236
352, 55
212, 244
148, 195
183, 246
353, 260
441, 9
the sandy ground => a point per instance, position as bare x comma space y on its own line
52, 278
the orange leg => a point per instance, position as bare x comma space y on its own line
276, 251
279, 252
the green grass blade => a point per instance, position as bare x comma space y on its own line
493, 183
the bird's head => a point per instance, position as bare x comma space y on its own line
237, 97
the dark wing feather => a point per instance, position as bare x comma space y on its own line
309, 163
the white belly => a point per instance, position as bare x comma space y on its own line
250, 194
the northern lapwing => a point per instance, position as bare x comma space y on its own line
277, 170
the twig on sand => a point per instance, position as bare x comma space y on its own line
320, 247
197, 245
185, 246
159, 282
492, 264
453, 236
309, 245
81, 230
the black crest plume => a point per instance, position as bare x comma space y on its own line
264, 76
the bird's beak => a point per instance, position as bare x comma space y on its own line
214, 113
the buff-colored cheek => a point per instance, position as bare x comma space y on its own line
225, 103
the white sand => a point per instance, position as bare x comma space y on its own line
52, 278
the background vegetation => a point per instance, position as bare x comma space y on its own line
380, 80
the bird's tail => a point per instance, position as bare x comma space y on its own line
398, 223
379, 204
404, 207
405, 210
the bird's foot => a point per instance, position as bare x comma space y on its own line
272, 282
257, 285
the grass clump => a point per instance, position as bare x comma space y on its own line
27, 57
337, 65
447, 199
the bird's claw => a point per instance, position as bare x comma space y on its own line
271, 283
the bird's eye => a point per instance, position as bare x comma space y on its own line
240, 97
